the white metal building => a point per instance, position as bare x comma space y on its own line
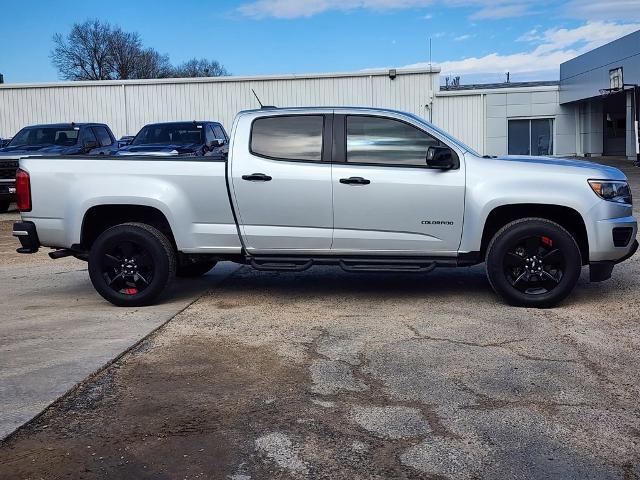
538, 118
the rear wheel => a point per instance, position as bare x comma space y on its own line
192, 270
132, 264
533, 262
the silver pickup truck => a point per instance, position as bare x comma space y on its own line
367, 189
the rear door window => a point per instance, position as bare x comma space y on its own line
296, 137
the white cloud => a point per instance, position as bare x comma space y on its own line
600, 10
502, 11
463, 37
308, 8
554, 46
604, 10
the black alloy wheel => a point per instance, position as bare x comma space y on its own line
127, 267
533, 262
534, 266
132, 264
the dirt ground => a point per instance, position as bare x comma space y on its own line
324, 374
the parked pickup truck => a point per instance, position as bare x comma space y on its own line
49, 140
190, 139
366, 189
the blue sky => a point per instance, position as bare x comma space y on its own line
476, 39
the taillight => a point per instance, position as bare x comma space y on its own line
23, 191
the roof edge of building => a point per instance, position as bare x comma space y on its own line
390, 72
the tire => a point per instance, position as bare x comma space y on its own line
4, 206
192, 270
132, 264
533, 262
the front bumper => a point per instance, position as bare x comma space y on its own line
601, 271
7, 191
28, 236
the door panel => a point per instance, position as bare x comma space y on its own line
289, 208
401, 210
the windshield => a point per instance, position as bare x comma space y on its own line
169, 133
446, 135
31, 136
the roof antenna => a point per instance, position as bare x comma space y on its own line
261, 105
257, 98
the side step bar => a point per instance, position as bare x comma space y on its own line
382, 265
353, 264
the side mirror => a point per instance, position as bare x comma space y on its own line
90, 145
442, 158
218, 142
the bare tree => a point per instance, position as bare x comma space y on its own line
95, 50
84, 53
200, 68
125, 48
151, 64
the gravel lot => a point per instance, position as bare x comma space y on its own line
325, 374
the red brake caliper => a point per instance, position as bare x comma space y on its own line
547, 241
130, 291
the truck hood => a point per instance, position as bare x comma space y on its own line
161, 150
594, 170
39, 150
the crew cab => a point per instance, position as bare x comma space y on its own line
49, 140
365, 189
191, 139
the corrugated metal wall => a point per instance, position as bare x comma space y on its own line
463, 116
127, 106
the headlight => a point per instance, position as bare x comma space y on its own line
612, 190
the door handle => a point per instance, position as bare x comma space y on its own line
355, 181
257, 177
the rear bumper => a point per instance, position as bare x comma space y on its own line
28, 236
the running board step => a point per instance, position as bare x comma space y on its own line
281, 264
355, 265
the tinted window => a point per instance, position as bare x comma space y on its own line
45, 136
219, 133
386, 141
103, 136
168, 133
531, 137
209, 135
89, 136
290, 138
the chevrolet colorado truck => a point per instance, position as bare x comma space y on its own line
369, 190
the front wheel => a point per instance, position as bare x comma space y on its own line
533, 262
132, 264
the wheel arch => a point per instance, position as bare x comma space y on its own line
566, 217
98, 218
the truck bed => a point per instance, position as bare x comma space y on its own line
191, 193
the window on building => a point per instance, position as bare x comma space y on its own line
531, 137
297, 137
386, 141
